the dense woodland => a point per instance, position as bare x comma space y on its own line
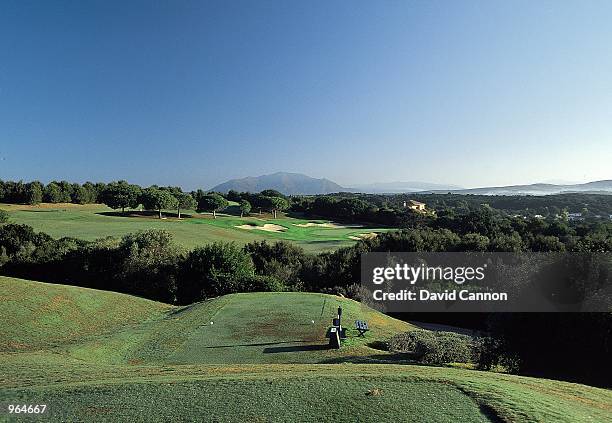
151, 265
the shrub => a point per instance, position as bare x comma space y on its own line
411, 342
451, 347
222, 284
4, 216
15, 238
148, 264
213, 270
433, 347
282, 261
486, 352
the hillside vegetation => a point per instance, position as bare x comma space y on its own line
98, 356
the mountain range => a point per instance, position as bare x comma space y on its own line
297, 183
399, 187
595, 187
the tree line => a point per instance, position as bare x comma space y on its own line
589, 204
123, 195
54, 192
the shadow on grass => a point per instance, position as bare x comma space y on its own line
372, 359
279, 349
146, 214
378, 345
43, 211
232, 210
295, 348
489, 412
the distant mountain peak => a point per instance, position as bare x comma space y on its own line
285, 182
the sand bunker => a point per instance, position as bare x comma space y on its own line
368, 235
326, 225
268, 227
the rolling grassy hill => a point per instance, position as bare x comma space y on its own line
109, 327
38, 316
99, 356
94, 221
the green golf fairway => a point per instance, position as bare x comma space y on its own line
93, 221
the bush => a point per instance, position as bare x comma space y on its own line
222, 284
282, 260
213, 270
451, 348
433, 347
4, 216
491, 352
15, 238
148, 264
486, 352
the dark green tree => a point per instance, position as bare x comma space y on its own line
245, 207
99, 188
80, 195
233, 196
212, 270
52, 193
184, 201
33, 193
272, 193
278, 204
67, 190
212, 203
157, 199
474, 242
121, 195
148, 264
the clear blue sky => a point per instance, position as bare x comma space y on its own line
187, 93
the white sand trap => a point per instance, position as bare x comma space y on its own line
368, 235
326, 225
268, 227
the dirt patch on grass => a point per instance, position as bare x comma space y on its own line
268, 227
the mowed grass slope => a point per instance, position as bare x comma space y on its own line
93, 221
261, 360
108, 327
253, 328
36, 316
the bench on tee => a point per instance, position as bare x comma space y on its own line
336, 332
362, 327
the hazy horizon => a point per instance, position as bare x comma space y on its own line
194, 93
189, 187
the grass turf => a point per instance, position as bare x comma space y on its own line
146, 361
116, 328
94, 221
